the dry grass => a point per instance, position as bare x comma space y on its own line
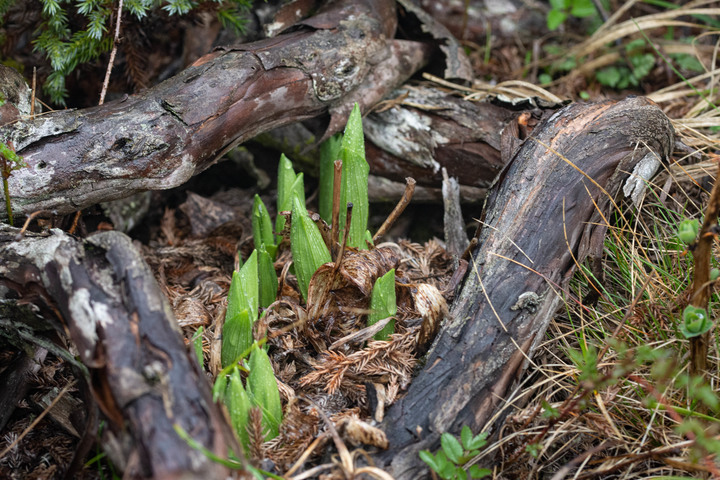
636, 418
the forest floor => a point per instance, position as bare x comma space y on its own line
608, 394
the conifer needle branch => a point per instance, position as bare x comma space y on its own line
106, 82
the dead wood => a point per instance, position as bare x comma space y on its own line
541, 220
142, 376
160, 138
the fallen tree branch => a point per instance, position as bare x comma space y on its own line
160, 138
541, 221
142, 375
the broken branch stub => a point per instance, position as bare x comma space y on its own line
540, 222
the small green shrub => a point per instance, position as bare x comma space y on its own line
449, 462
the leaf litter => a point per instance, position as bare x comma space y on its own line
325, 360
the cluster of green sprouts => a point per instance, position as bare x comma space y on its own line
254, 286
695, 320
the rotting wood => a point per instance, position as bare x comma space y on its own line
540, 221
143, 377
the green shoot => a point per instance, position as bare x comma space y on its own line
244, 294
288, 184
382, 304
9, 162
236, 337
262, 227
329, 152
355, 172
238, 405
263, 391
268, 278
308, 248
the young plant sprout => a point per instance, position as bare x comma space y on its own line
383, 304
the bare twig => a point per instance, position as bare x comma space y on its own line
701, 253
398, 210
337, 183
113, 52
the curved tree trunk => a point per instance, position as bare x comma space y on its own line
542, 221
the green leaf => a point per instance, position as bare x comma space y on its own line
582, 8
237, 338
688, 231
197, 344
244, 290
476, 472
329, 152
478, 441
549, 411
642, 65
610, 76
263, 389
262, 225
268, 278
714, 273
466, 437
451, 446
560, 4
308, 248
383, 304
688, 62
429, 458
555, 18
238, 405
219, 388
355, 173
695, 322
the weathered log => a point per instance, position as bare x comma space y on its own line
142, 375
541, 221
160, 138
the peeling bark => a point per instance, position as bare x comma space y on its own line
541, 220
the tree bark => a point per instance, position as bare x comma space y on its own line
541, 221
142, 376
160, 138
